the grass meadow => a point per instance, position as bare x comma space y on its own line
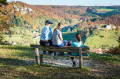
13, 66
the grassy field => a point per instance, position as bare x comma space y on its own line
102, 39
13, 66
104, 10
20, 40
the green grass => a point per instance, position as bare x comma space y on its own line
20, 40
106, 58
15, 38
105, 10
13, 66
102, 39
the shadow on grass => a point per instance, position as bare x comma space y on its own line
16, 47
107, 58
17, 69
10, 72
10, 61
114, 50
20, 51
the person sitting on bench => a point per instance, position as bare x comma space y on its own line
78, 43
46, 34
57, 37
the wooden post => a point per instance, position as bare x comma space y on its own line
80, 58
119, 41
41, 59
37, 56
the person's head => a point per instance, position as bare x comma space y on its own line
59, 26
78, 37
48, 23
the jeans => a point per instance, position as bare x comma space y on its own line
49, 43
61, 45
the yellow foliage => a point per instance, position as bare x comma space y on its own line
3, 22
34, 28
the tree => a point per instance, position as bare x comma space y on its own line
3, 25
3, 2
3, 20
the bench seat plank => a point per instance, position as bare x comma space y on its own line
64, 47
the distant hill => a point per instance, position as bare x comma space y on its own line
34, 16
115, 20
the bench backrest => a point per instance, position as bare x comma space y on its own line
60, 49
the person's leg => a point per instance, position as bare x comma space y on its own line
69, 43
43, 44
74, 63
64, 43
49, 43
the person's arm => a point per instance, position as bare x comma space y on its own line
46, 33
81, 43
60, 36
51, 34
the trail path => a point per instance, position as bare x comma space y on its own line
96, 67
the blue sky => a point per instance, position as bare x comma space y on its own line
72, 2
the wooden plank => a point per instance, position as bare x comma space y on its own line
59, 50
64, 47
32, 48
84, 48
85, 51
37, 56
60, 55
86, 57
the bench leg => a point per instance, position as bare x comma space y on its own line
37, 56
41, 59
89, 61
80, 58
37, 60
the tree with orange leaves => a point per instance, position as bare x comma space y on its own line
3, 20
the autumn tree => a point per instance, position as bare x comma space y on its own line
3, 20
3, 2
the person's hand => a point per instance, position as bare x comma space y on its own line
66, 44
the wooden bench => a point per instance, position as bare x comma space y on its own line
39, 57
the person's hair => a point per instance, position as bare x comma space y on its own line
59, 24
78, 37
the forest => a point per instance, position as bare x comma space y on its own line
24, 22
